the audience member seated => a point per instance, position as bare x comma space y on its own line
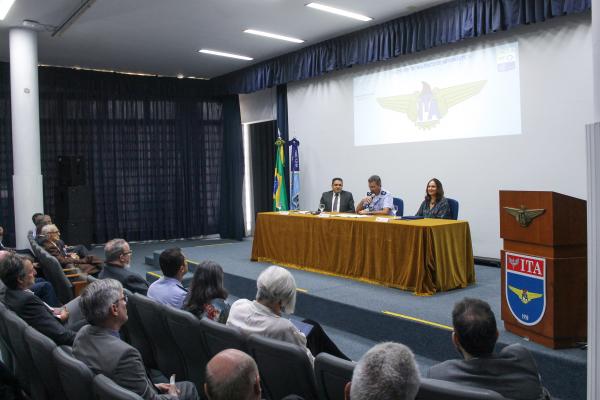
435, 204
207, 294
387, 371
276, 294
22, 252
18, 275
89, 264
168, 289
117, 256
41, 222
512, 372
99, 346
232, 374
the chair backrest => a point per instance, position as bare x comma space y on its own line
188, 333
40, 349
169, 360
332, 374
133, 333
434, 389
453, 208
76, 378
218, 337
56, 276
399, 203
106, 389
5, 350
25, 367
284, 368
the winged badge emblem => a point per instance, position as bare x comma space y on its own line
523, 215
428, 106
524, 295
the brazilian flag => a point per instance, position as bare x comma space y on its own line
280, 201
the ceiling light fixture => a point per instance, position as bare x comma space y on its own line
273, 36
5, 6
338, 11
223, 54
74, 16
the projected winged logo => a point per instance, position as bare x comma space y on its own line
427, 107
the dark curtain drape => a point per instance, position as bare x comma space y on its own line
6, 161
163, 158
231, 219
436, 26
282, 126
262, 145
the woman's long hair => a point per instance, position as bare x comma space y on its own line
440, 190
207, 284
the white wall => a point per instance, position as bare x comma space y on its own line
556, 101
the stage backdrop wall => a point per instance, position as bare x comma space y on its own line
549, 154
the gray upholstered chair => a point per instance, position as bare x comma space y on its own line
106, 389
188, 332
434, 389
76, 378
41, 348
218, 337
332, 375
169, 360
284, 368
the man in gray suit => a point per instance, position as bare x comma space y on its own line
99, 346
336, 199
117, 255
512, 372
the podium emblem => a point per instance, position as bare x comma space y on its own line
525, 287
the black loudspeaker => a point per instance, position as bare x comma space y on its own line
74, 203
71, 171
77, 232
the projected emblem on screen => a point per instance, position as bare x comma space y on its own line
466, 95
427, 107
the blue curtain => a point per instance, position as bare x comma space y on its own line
436, 26
231, 218
163, 157
282, 127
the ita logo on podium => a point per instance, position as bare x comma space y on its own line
525, 287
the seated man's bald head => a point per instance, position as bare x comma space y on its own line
232, 374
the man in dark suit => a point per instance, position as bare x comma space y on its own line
336, 199
117, 254
18, 275
512, 372
99, 346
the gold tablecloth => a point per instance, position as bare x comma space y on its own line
423, 256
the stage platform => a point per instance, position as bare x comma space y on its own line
358, 315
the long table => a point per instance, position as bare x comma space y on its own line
423, 256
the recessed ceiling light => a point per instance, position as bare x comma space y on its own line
5, 6
223, 54
179, 76
273, 36
338, 11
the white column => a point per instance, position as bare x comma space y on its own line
27, 177
593, 217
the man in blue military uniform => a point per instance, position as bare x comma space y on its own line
378, 201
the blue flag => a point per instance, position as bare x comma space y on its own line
295, 175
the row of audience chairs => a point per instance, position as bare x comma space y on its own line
67, 282
177, 342
48, 372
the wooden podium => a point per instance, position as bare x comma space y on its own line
551, 249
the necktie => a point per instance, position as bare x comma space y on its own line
335, 202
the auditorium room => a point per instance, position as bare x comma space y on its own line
285, 199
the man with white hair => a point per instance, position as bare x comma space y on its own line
388, 371
117, 258
276, 294
99, 346
232, 375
